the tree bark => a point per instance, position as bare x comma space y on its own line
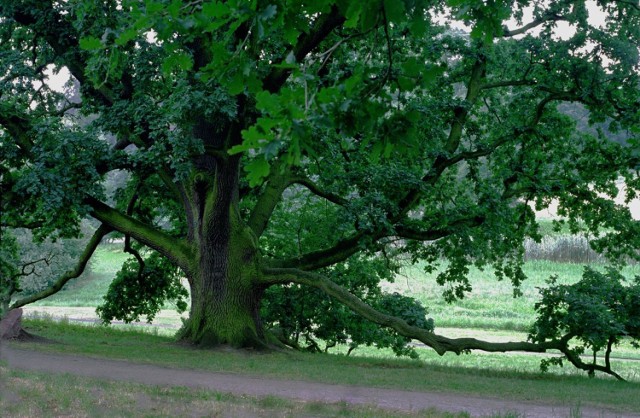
224, 273
225, 293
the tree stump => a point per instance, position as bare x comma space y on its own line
11, 325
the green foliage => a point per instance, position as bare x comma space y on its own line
597, 312
300, 316
142, 289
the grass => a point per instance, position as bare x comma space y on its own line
503, 376
89, 289
40, 394
491, 304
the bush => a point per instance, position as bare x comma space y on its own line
595, 314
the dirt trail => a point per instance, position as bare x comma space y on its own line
17, 358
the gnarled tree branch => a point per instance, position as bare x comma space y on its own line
439, 343
175, 249
307, 42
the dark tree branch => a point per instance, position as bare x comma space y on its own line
127, 238
318, 191
589, 368
175, 249
508, 83
325, 257
434, 234
276, 184
71, 274
552, 17
307, 42
31, 265
474, 86
439, 343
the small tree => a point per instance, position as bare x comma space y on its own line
29, 267
592, 315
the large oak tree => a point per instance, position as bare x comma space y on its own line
283, 145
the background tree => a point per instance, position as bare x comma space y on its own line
30, 267
279, 144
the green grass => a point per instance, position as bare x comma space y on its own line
40, 394
89, 289
511, 376
491, 304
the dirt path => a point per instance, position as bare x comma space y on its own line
240, 384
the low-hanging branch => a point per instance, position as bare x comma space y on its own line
173, 248
439, 343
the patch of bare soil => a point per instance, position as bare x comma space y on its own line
17, 358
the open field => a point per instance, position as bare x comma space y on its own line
491, 304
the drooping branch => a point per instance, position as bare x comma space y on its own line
439, 343
173, 248
589, 367
71, 274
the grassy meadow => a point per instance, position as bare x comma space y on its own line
489, 312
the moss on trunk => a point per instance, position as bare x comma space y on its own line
225, 292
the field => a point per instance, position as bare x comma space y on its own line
490, 312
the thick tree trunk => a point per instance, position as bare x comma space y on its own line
224, 276
225, 295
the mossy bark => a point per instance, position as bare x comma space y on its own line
225, 295
224, 273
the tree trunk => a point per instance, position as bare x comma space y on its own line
224, 277
225, 295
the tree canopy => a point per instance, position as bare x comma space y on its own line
285, 156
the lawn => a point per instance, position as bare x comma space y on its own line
511, 377
491, 304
